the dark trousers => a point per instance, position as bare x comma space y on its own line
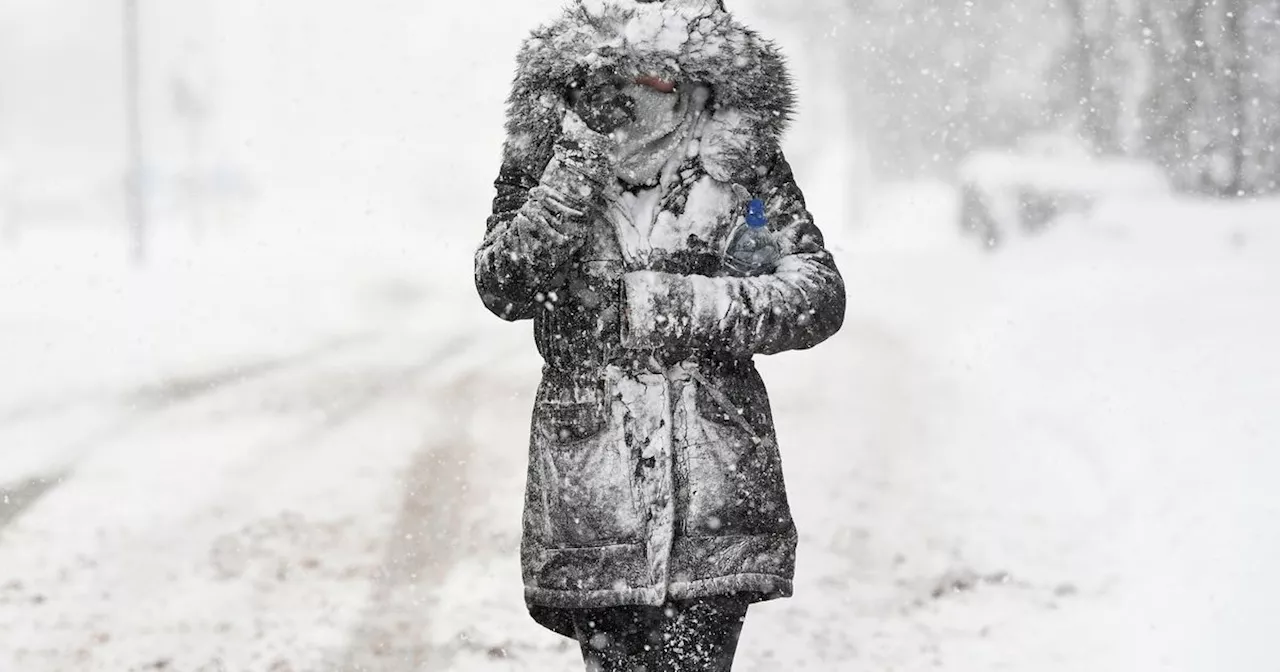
695, 636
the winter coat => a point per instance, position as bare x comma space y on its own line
653, 473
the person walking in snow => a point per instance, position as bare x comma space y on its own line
641, 135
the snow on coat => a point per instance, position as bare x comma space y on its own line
654, 471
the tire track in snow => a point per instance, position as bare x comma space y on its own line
284, 449
184, 387
194, 386
14, 499
143, 404
454, 528
425, 542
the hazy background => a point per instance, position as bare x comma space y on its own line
394, 113
276, 430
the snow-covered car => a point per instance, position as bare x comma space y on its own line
1021, 191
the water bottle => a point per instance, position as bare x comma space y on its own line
752, 249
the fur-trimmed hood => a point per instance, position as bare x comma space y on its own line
687, 41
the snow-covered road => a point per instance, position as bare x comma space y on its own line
275, 518
1057, 457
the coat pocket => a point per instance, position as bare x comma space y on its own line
736, 400
733, 468
567, 423
589, 493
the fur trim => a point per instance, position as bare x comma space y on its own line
688, 41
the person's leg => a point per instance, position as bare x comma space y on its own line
702, 635
693, 636
620, 639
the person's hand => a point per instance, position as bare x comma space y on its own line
601, 102
571, 189
584, 151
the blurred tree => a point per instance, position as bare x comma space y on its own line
1171, 96
1210, 111
1234, 56
1088, 89
135, 199
1260, 99
943, 78
1191, 84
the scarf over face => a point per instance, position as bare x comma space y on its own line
662, 129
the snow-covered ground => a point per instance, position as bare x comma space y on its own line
298, 445
301, 450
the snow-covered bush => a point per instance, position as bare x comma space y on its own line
1024, 190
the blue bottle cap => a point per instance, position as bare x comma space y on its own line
755, 214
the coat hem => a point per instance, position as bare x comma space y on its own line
593, 599
769, 586
552, 608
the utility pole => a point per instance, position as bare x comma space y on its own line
135, 202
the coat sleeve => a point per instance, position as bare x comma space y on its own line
537, 223
799, 305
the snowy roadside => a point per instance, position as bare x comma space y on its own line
231, 532
1052, 458
1057, 454
1056, 457
88, 339
229, 446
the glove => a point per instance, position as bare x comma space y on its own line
585, 151
580, 170
599, 100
